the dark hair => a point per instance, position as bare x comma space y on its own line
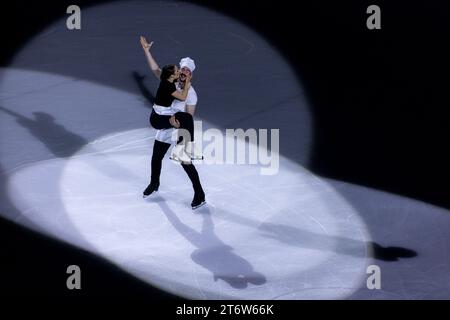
167, 71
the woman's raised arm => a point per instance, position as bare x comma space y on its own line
151, 61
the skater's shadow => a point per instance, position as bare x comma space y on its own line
212, 253
57, 139
294, 236
346, 246
144, 91
379, 252
63, 143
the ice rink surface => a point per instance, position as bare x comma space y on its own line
75, 158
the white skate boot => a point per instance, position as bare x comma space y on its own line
193, 152
179, 154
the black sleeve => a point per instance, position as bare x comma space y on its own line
168, 88
164, 94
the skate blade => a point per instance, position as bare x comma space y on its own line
200, 205
177, 160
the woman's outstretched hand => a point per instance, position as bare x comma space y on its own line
145, 44
187, 82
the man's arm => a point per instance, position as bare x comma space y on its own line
151, 61
191, 101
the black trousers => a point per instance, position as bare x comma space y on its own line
185, 119
159, 150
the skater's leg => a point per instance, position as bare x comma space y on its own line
158, 121
193, 176
187, 123
199, 196
159, 150
187, 135
180, 152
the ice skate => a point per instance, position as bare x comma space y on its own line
151, 188
199, 200
193, 152
179, 154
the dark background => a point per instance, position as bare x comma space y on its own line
379, 100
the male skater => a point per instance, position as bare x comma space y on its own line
163, 137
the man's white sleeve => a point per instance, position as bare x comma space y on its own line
192, 97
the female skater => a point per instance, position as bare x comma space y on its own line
185, 150
162, 112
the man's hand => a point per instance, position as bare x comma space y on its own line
174, 122
145, 45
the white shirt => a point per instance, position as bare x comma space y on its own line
165, 135
191, 99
